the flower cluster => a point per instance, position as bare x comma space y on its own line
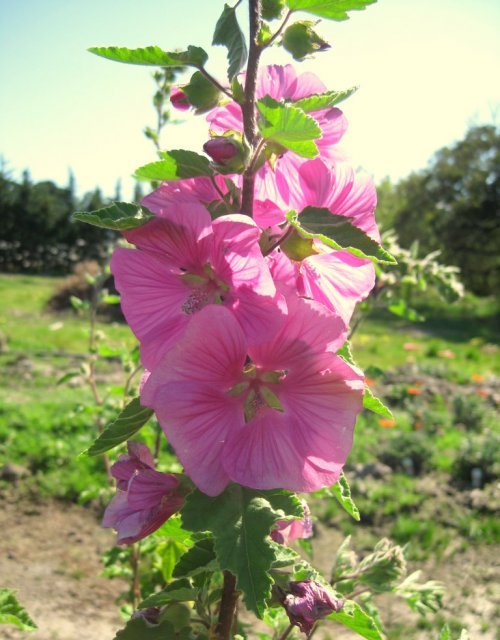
238, 329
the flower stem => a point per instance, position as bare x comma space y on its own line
227, 607
248, 108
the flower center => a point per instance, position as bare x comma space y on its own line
256, 392
206, 288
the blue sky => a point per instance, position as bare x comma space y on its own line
426, 69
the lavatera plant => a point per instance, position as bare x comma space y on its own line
239, 279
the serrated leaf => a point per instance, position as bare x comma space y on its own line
177, 591
201, 93
130, 420
153, 56
139, 629
12, 612
372, 403
119, 216
289, 127
342, 491
240, 520
352, 616
338, 232
201, 557
229, 34
331, 9
284, 556
176, 164
325, 100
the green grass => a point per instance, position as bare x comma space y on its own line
44, 427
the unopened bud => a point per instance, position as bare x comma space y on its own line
309, 601
179, 99
227, 153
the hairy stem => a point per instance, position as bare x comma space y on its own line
276, 35
248, 108
215, 82
227, 607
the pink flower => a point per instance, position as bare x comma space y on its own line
287, 531
307, 602
145, 498
283, 83
278, 414
183, 262
179, 99
300, 184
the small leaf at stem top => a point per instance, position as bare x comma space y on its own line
153, 56
228, 33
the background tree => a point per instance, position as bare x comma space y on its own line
452, 206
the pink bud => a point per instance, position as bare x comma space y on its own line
222, 149
288, 530
179, 99
145, 498
309, 601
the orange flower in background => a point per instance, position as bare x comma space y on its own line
370, 382
411, 346
482, 393
446, 353
414, 391
476, 377
387, 423
418, 425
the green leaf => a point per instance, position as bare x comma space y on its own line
177, 591
228, 33
153, 56
173, 530
332, 9
323, 100
284, 556
175, 165
11, 612
372, 403
130, 420
289, 127
240, 520
139, 629
199, 558
342, 491
68, 376
272, 9
119, 216
301, 40
338, 232
201, 93
402, 310
352, 616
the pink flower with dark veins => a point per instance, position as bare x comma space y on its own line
145, 498
183, 262
279, 414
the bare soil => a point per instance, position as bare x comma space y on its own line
50, 553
